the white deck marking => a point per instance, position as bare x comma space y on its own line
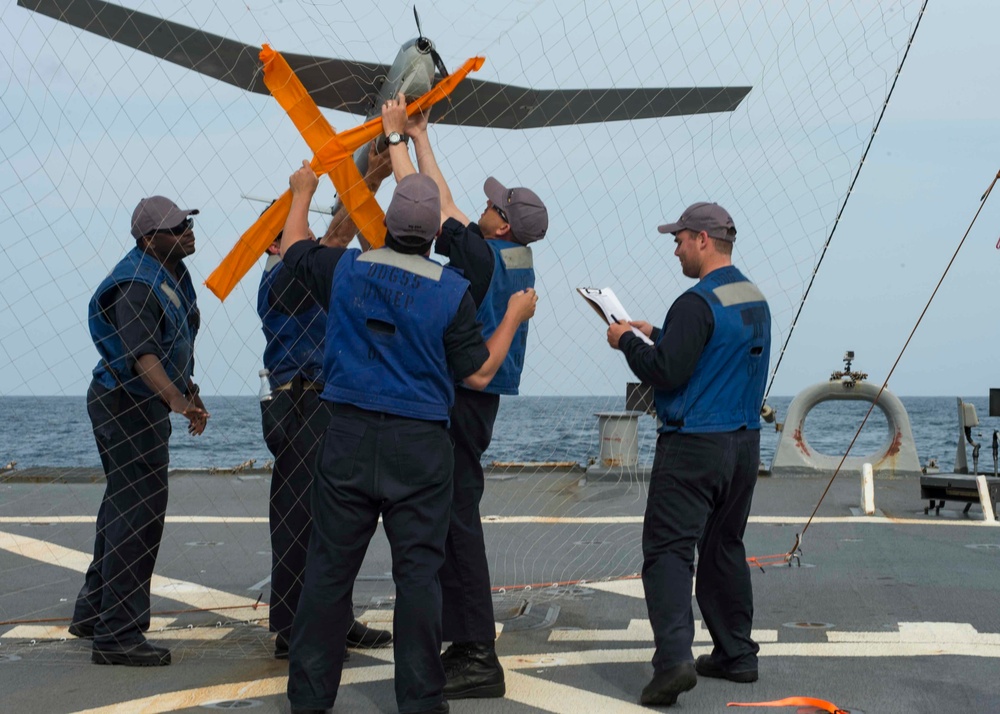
382, 619
44, 632
628, 588
563, 698
61, 632
191, 594
190, 698
42, 520
252, 689
974, 520
873, 649
262, 583
640, 630
922, 633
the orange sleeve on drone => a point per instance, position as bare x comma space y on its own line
332, 154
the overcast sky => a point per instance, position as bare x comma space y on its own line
88, 127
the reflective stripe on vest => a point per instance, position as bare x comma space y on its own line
513, 270
385, 351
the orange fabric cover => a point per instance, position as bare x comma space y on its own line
332, 154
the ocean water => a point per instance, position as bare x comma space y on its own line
55, 431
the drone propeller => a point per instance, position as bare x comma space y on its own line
425, 45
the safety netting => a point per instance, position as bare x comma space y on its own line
90, 125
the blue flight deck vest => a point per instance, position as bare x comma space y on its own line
513, 271
294, 342
726, 391
180, 324
385, 351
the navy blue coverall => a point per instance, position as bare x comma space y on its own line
375, 462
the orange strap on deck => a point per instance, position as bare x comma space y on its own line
332, 154
795, 702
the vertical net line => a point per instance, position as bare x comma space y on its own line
850, 189
982, 204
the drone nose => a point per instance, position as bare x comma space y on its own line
424, 45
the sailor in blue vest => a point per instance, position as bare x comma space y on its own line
708, 368
294, 419
401, 329
143, 320
494, 256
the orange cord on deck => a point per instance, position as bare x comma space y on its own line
758, 560
795, 702
761, 560
332, 154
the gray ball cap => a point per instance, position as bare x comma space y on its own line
703, 216
526, 214
415, 209
156, 213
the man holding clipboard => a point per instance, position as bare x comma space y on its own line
708, 367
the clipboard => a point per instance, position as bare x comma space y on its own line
609, 308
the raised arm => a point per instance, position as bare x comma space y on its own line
416, 128
394, 120
342, 228
520, 307
303, 184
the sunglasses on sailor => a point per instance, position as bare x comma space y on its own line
178, 230
500, 212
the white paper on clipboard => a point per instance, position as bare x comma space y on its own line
610, 309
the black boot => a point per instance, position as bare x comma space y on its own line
83, 630
706, 667
362, 636
473, 671
664, 688
455, 651
141, 654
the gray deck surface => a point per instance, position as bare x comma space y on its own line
907, 603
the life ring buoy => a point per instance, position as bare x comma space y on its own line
794, 456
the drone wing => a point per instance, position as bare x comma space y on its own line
344, 85
478, 103
350, 86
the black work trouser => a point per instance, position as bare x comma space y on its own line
132, 437
294, 422
465, 576
700, 493
374, 464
